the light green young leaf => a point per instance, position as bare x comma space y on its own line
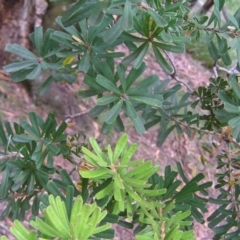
119, 147
45, 228
127, 155
95, 173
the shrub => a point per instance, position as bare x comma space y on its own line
113, 188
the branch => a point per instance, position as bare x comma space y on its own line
231, 71
199, 130
173, 75
69, 118
182, 82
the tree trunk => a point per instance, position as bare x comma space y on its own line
17, 20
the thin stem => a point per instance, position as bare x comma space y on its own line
69, 118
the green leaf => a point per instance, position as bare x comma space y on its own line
180, 48
113, 33
119, 147
22, 138
111, 116
104, 82
38, 38
160, 21
152, 100
84, 64
13, 67
144, 85
105, 100
21, 52
130, 110
44, 87
234, 85
138, 61
163, 134
96, 16
128, 155
134, 74
162, 61
223, 47
121, 75
139, 125
233, 20
4, 187
79, 14
70, 13
127, 18
141, 50
45, 228
213, 50
35, 73
231, 108
137, 121
234, 122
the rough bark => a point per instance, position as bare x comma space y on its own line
17, 20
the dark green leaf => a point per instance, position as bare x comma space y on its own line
163, 134
127, 18
84, 64
21, 52
153, 100
44, 87
13, 67
134, 55
105, 100
213, 50
104, 82
160, 21
35, 73
38, 38
112, 114
113, 33
162, 61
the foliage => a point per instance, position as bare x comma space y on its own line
112, 187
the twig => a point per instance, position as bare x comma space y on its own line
182, 82
215, 69
69, 118
231, 71
199, 130
173, 75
